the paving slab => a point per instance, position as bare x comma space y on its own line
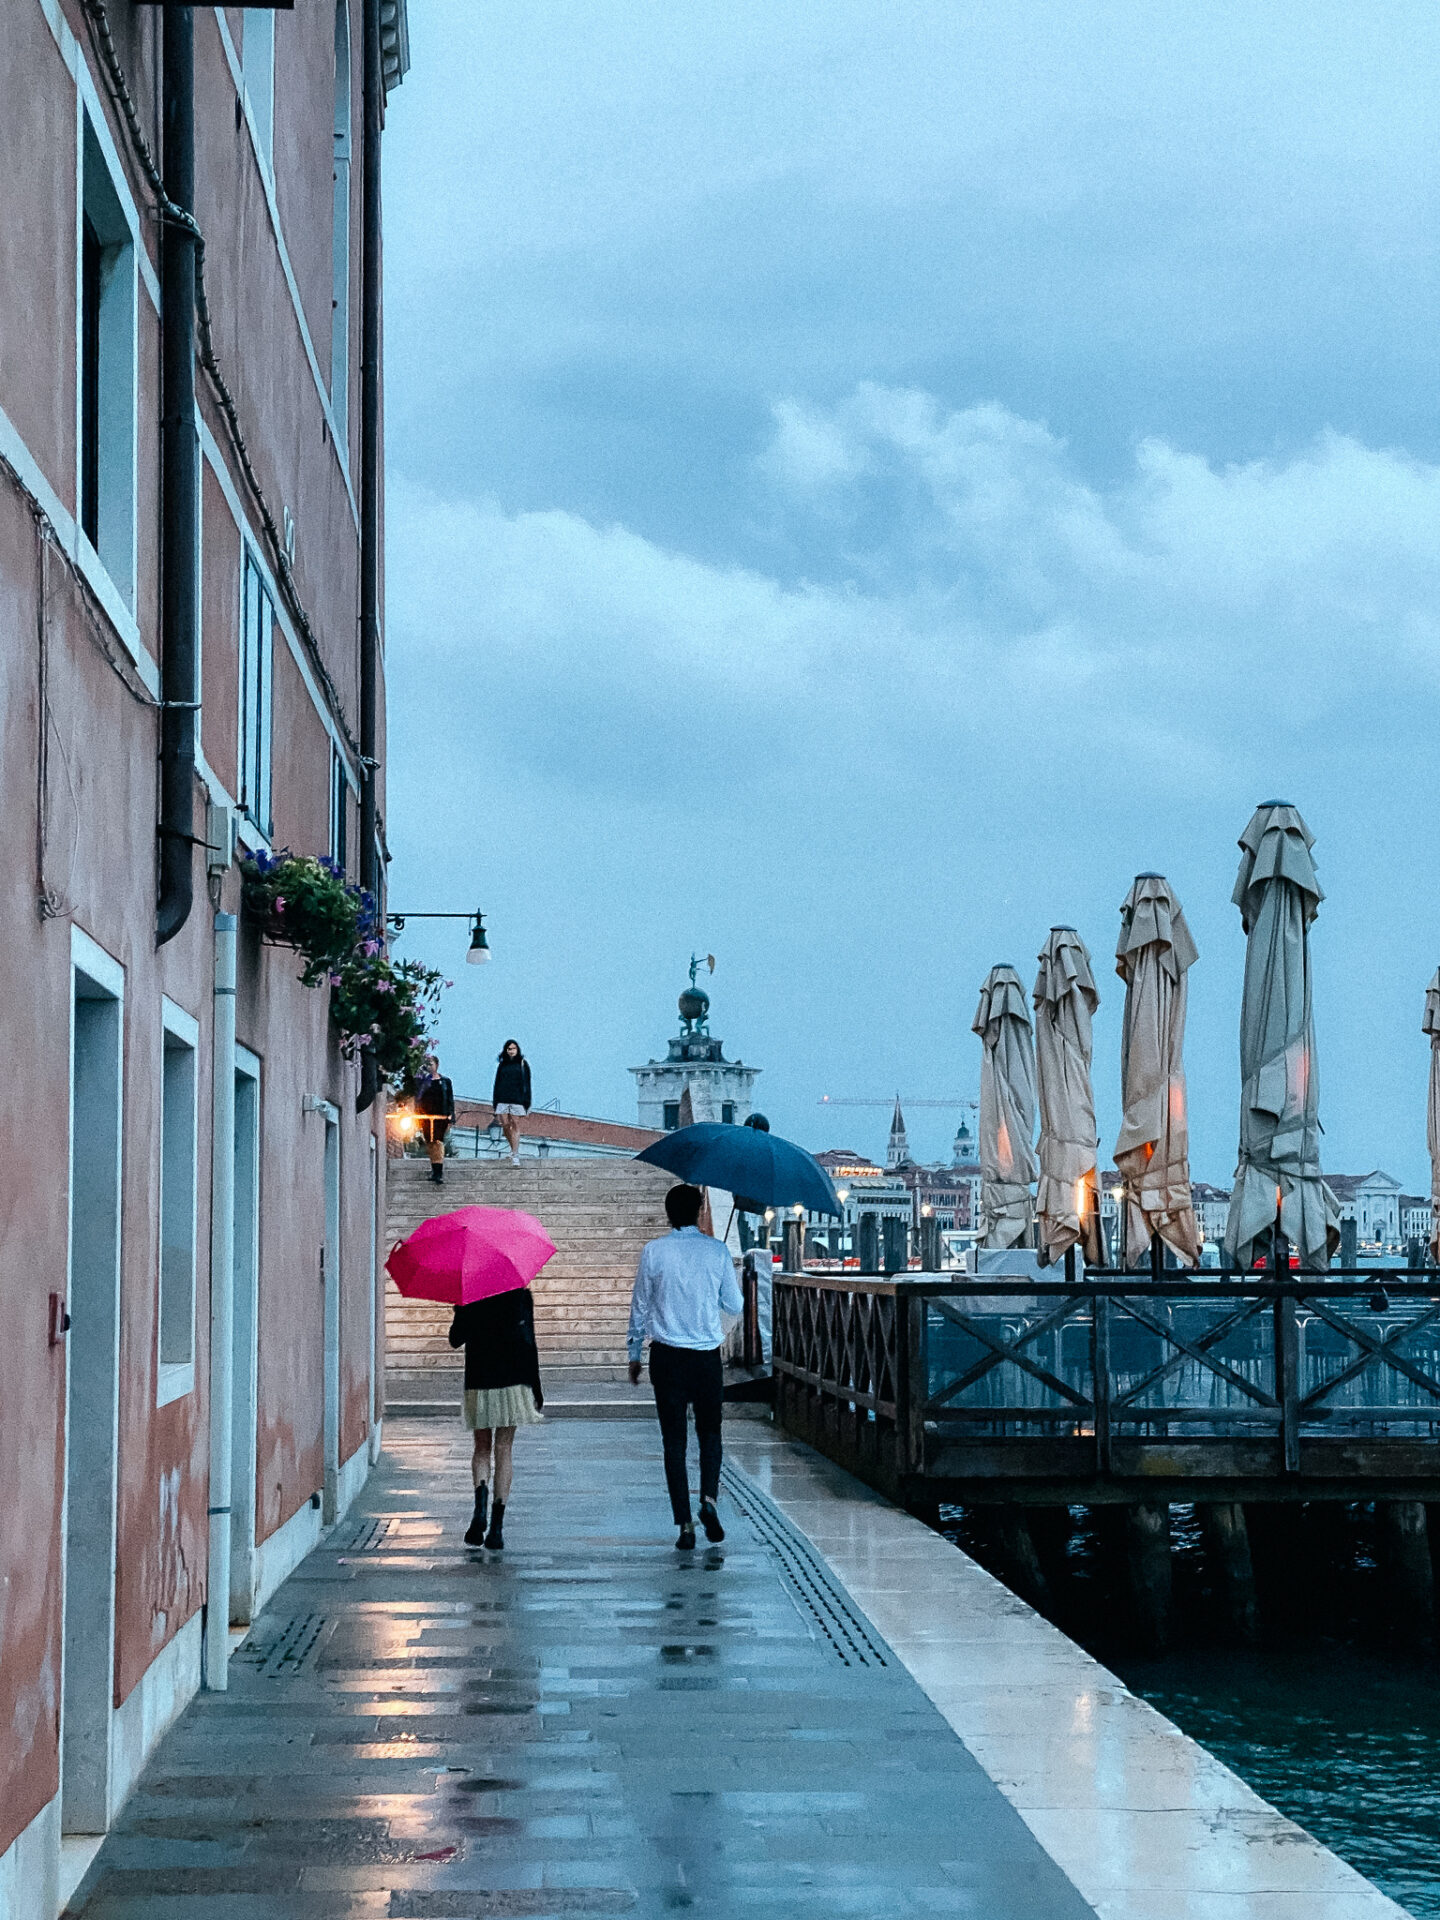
589, 1723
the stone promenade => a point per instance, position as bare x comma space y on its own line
590, 1723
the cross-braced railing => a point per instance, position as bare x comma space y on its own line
919, 1366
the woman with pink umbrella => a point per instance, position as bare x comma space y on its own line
481, 1260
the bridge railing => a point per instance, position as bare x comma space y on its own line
913, 1372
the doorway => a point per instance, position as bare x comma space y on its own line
330, 1269
245, 1330
92, 1388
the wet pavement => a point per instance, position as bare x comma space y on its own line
588, 1723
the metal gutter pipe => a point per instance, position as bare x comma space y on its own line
178, 486
373, 99
222, 1304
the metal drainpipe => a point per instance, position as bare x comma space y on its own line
370, 875
178, 478
222, 1304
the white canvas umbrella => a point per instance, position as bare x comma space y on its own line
1153, 957
1431, 1025
1279, 1169
1007, 1111
1065, 1000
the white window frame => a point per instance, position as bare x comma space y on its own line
340, 237
179, 1152
255, 745
257, 63
339, 809
103, 194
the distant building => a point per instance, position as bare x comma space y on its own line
874, 1202
1416, 1217
897, 1152
952, 1194
1372, 1201
1212, 1209
719, 1089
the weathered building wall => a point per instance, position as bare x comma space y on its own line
79, 681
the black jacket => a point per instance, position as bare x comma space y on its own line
437, 1097
512, 1084
498, 1336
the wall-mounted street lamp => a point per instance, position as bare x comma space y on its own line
479, 945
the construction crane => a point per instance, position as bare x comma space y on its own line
829, 1100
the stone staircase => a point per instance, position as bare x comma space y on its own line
599, 1212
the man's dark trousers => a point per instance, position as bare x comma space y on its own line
688, 1377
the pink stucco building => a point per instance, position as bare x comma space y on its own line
191, 658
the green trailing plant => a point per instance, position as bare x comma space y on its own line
381, 1007
386, 1009
305, 902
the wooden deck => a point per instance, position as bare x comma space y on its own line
1119, 1388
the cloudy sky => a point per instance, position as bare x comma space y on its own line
864, 481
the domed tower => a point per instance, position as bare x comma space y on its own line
719, 1089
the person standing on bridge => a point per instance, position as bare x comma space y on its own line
511, 1095
685, 1281
435, 1110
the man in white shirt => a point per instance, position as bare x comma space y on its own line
684, 1282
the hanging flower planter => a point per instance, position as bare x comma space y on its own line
304, 902
382, 1008
385, 1010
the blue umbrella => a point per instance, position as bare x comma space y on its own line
741, 1160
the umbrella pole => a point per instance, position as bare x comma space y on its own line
725, 1237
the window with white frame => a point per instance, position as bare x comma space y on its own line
257, 62
339, 809
340, 234
180, 1037
106, 370
257, 666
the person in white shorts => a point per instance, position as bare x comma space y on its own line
511, 1097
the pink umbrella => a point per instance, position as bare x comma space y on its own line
469, 1254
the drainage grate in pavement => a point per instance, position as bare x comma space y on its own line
282, 1647
366, 1535
821, 1598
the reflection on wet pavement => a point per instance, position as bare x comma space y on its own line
590, 1723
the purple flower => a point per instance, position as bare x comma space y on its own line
279, 903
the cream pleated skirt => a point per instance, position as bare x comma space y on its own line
501, 1407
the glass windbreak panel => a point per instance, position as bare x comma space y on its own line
1377, 1370
1206, 1356
1017, 1359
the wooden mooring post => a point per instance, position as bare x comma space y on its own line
1147, 1554
1405, 1543
1227, 1552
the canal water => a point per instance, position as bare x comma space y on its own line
1333, 1718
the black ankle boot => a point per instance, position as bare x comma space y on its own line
496, 1536
437, 1171
475, 1532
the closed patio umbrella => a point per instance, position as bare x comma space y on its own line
1065, 1000
1007, 1111
1431, 1025
1279, 1168
1153, 957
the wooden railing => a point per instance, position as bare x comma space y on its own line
1117, 1379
